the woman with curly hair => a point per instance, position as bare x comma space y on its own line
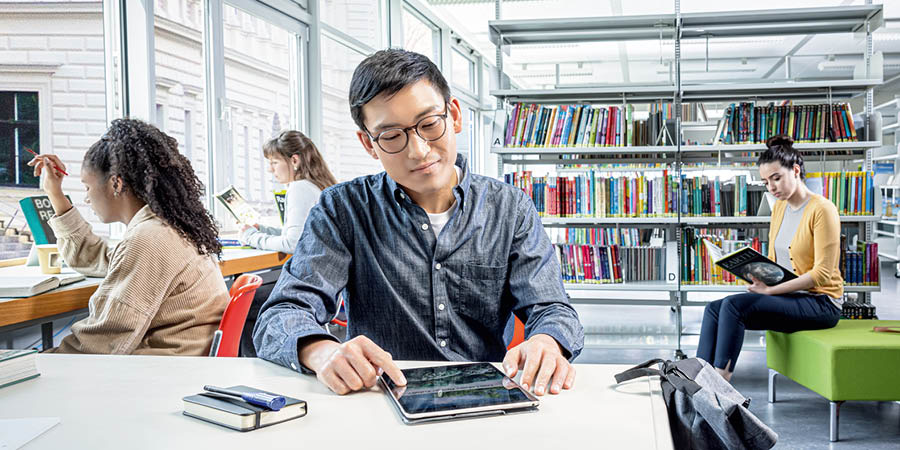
162, 291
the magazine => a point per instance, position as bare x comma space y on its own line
746, 262
238, 207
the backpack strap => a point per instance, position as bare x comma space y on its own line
640, 370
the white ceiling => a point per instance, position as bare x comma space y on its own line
752, 58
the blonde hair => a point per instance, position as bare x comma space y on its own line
312, 166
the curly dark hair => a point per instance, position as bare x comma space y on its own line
148, 162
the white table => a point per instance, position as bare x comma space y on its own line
135, 402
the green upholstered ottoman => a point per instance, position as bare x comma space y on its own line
847, 362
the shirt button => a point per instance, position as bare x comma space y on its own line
424, 226
441, 307
437, 266
293, 366
402, 195
443, 343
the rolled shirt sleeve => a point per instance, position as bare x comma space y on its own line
536, 284
305, 297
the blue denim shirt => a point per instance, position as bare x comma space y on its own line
417, 297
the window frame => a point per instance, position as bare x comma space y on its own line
33, 78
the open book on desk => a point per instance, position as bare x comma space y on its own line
31, 282
746, 261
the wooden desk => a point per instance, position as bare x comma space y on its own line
135, 402
43, 308
236, 261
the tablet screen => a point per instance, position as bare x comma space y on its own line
455, 387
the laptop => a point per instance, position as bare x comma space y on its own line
458, 391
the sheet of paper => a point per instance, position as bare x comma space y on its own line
14, 433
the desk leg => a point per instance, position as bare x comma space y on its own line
47, 335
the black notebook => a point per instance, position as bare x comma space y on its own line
237, 414
746, 261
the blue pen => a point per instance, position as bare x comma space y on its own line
273, 402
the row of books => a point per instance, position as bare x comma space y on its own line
860, 267
859, 311
592, 264
623, 237
533, 125
853, 193
590, 194
698, 267
746, 123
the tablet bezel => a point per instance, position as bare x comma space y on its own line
531, 404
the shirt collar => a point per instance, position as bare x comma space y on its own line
142, 215
461, 187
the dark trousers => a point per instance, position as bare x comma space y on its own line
724, 321
262, 294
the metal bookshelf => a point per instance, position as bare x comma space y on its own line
676, 27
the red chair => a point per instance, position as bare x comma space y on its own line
227, 338
335, 320
518, 334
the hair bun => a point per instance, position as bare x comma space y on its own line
780, 140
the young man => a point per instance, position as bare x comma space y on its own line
434, 259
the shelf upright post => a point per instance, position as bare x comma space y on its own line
679, 296
869, 227
500, 81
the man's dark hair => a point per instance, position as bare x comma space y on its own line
389, 71
781, 150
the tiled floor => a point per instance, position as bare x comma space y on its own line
800, 416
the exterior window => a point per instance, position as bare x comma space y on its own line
19, 129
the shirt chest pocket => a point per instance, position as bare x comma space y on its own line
476, 291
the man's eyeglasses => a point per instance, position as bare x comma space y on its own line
395, 140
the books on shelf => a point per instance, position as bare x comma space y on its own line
747, 123
853, 193
593, 194
860, 267
600, 264
597, 195
548, 126
17, 366
698, 264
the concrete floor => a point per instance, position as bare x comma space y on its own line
800, 417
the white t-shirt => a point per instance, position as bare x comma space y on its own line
440, 219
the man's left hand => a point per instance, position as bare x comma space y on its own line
541, 360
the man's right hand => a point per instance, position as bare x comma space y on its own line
351, 366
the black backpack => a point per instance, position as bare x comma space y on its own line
705, 411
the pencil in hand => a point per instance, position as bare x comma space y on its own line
58, 170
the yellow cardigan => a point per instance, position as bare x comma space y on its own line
815, 247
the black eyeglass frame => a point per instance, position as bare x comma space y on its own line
415, 127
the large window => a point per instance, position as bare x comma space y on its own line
258, 90
358, 19
19, 130
463, 71
180, 79
421, 36
345, 155
52, 95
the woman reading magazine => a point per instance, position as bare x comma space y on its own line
804, 236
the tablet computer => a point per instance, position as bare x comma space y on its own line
456, 392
